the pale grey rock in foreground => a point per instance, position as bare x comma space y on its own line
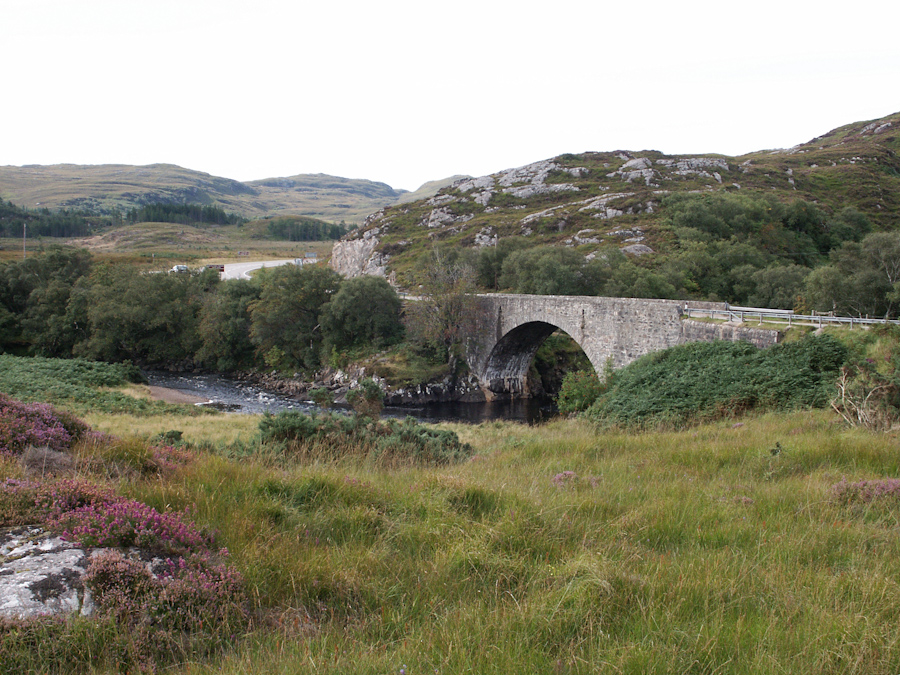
40, 575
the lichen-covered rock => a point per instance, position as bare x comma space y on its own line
637, 249
483, 197
40, 575
601, 204
486, 237
482, 183
526, 191
438, 218
356, 257
639, 168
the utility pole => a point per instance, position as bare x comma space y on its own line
24, 239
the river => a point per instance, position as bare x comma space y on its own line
241, 397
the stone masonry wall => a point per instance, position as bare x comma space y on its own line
511, 328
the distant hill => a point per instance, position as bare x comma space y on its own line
106, 188
429, 189
595, 200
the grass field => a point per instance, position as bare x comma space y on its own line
558, 550
160, 245
722, 549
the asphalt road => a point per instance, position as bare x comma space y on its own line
242, 270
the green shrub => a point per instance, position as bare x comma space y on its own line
388, 440
708, 380
579, 390
368, 399
322, 397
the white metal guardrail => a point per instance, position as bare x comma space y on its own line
745, 314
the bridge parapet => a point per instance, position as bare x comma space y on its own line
510, 328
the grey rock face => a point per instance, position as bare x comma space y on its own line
486, 237
356, 257
526, 191
636, 164
535, 173
482, 183
600, 204
639, 168
40, 575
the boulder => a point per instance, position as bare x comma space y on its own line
40, 575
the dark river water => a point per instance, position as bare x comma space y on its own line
233, 396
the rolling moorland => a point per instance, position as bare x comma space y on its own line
713, 509
110, 188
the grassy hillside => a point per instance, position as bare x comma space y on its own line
106, 188
598, 199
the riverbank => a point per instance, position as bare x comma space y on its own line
339, 382
256, 394
167, 395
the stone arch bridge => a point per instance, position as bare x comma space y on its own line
510, 328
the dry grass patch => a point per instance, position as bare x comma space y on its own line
214, 429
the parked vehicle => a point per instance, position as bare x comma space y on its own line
180, 268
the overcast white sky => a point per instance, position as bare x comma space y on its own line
406, 91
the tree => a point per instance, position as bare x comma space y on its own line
365, 311
489, 261
778, 286
36, 294
284, 321
861, 279
147, 318
224, 326
447, 312
546, 270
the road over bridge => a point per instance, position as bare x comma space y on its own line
510, 328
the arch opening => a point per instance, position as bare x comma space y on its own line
509, 369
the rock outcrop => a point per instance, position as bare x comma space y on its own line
40, 575
357, 257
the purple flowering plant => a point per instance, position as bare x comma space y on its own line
866, 491
187, 599
187, 590
94, 516
38, 424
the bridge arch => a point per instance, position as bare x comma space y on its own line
511, 328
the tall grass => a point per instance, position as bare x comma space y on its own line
719, 549
724, 548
